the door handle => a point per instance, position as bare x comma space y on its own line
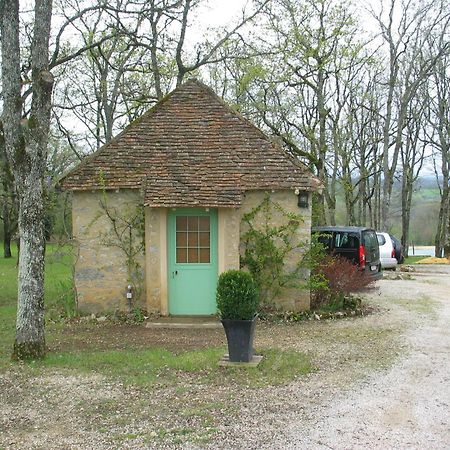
174, 273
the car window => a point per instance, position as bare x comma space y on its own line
343, 239
395, 241
370, 240
381, 239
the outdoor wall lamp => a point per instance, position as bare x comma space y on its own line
303, 199
129, 296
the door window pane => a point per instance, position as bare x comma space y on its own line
204, 255
181, 223
181, 239
193, 223
192, 255
204, 239
204, 223
181, 255
193, 239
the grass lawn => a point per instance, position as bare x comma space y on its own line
57, 286
131, 353
413, 259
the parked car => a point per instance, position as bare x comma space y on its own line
399, 256
358, 244
387, 251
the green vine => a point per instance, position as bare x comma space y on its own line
127, 233
266, 247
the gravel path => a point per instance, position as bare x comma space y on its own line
408, 406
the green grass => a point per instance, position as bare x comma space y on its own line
57, 283
413, 259
144, 367
131, 365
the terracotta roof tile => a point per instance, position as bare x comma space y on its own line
191, 149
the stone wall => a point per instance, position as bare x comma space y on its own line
156, 259
100, 270
293, 299
228, 251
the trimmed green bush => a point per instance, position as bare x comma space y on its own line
237, 297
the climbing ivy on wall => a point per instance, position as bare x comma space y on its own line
269, 239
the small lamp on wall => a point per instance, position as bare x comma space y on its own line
303, 199
129, 297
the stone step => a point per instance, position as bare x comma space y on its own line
184, 324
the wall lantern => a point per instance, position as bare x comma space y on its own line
129, 297
303, 199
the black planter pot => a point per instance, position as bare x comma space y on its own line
240, 338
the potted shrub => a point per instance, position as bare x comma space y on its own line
237, 303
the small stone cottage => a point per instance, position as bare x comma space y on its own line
190, 168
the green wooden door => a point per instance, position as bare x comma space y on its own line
192, 261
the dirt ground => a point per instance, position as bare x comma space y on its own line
123, 336
381, 381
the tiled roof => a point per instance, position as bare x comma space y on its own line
191, 149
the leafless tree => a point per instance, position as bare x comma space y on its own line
437, 127
412, 155
405, 30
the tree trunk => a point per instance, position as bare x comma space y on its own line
26, 148
6, 231
7, 184
447, 242
30, 339
322, 147
441, 232
407, 190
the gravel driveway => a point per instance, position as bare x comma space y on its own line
408, 406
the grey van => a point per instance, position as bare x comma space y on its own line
358, 244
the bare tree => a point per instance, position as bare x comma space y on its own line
412, 155
408, 68
437, 94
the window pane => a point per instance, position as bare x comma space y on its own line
204, 255
193, 223
181, 255
346, 240
204, 239
204, 223
181, 239
192, 255
181, 223
193, 239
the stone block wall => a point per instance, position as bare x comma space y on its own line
228, 251
100, 270
156, 259
293, 299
